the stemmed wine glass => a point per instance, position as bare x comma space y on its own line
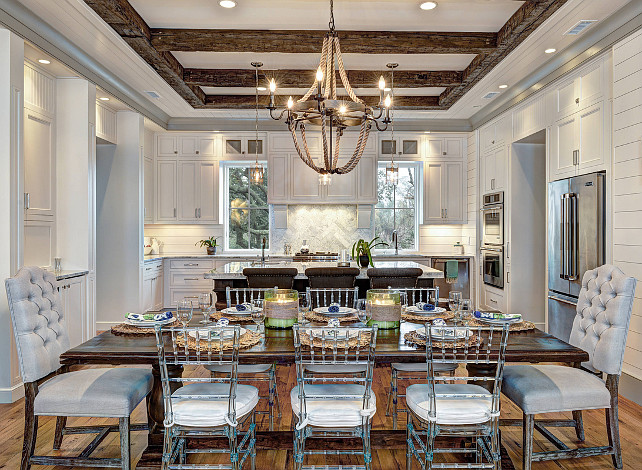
257, 313
304, 307
205, 304
363, 311
454, 301
184, 311
465, 309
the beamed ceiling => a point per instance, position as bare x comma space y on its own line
207, 66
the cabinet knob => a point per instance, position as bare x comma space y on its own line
197, 152
492, 141
175, 151
445, 153
577, 101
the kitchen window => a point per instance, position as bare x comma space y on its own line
247, 217
396, 208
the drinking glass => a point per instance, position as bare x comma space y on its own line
258, 314
205, 304
362, 311
465, 309
404, 301
184, 311
454, 301
304, 307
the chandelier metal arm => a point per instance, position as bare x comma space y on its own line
379, 127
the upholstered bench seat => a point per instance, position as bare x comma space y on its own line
549, 388
339, 413
106, 393
451, 410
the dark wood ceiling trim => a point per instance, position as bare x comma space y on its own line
525, 20
122, 17
305, 78
356, 42
248, 101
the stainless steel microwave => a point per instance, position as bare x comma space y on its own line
493, 219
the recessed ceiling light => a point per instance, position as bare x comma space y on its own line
227, 3
261, 88
503, 86
44, 61
550, 51
428, 5
103, 98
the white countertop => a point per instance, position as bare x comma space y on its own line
234, 256
235, 269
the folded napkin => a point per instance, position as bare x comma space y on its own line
149, 316
497, 316
439, 322
425, 306
243, 307
223, 322
334, 323
333, 308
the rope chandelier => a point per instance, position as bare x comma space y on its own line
320, 107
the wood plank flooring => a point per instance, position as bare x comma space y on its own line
12, 423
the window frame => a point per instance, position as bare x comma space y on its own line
225, 166
418, 166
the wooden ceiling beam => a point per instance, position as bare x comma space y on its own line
124, 19
248, 101
519, 26
305, 78
298, 42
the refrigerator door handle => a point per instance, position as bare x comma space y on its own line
573, 274
563, 237
564, 301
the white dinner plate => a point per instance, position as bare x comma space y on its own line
440, 333
148, 323
343, 311
233, 311
498, 321
329, 333
417, 311
227, 333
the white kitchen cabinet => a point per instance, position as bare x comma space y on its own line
304, 182
165, 189
166, 145
343, 187
208, 178
73, 298
444, 192
496, 133
39, 166
493, 169
243, 144
582, 89
493, 298
440, 147
408, 145
148, 183
184, 277
152, 286
367, 179
278, 178
188, 191
198, 191
192, 146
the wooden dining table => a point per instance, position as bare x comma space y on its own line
277, 346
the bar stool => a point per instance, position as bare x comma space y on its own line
384, 278
335, 277
283, 278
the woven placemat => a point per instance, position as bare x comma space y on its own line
123, 329
247, 340
523, 325
420, 340
315, 342
317, 317
216, 316
425, 318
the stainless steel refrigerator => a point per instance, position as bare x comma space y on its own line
576, 232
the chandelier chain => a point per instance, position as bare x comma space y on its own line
392, 109
256, 120
331, 23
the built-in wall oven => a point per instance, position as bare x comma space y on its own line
492, 242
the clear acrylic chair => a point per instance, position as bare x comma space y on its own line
412, 370
202, 407
461, 406
337, 406
253, 372
323, 297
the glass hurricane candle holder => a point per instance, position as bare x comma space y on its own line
281, 308
383, 307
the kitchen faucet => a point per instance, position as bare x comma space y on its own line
395, 236
264, 242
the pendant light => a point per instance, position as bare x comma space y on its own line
256, 172
392, 170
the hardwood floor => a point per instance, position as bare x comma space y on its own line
12, 422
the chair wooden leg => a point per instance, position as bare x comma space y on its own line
395, 399
61, 422
612, 423
125, 450
31, 426
579, 425
389, 400
527, 440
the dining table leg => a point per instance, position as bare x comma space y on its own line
482, 370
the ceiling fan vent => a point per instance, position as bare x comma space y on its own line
491, 95
579, 27
152, 94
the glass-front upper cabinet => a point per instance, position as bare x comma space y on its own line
243, 144
407, 145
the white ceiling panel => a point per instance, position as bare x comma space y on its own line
374, 91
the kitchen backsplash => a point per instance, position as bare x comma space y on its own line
326, 227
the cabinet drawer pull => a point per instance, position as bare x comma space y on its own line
148, 269
191, 279
190, 264
577, 101
493, 301
197, 152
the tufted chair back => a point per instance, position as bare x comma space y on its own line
38, 321
602, 320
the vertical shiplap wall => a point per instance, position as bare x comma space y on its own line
627, 182
469, 230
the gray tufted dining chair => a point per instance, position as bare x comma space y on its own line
600, 328
40, 329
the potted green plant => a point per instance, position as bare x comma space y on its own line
210, 243
361, 251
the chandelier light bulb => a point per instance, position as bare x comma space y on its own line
388, 101
382, 83
290, 102
342, 109
319, 74
272, 86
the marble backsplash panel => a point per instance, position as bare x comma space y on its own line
326, 227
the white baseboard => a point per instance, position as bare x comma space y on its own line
106, 325
12, 394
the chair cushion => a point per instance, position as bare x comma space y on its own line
242, 368
333, 413
422, 367
336, 369
550, 388
111, 393
194, 412
451, 411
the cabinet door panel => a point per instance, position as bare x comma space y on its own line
488, 171
278, 178
187, 190
453, 148
591, 85
487, 137
188, 146
75, 310
148, 182
563, 144
566, 95
207, 146
433, 180
304, 181
165, 190
435, 147
343, 187
367, 179
208, 192
500, 169
39, 165
453, 198
147, 295
166, 146
591, 136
